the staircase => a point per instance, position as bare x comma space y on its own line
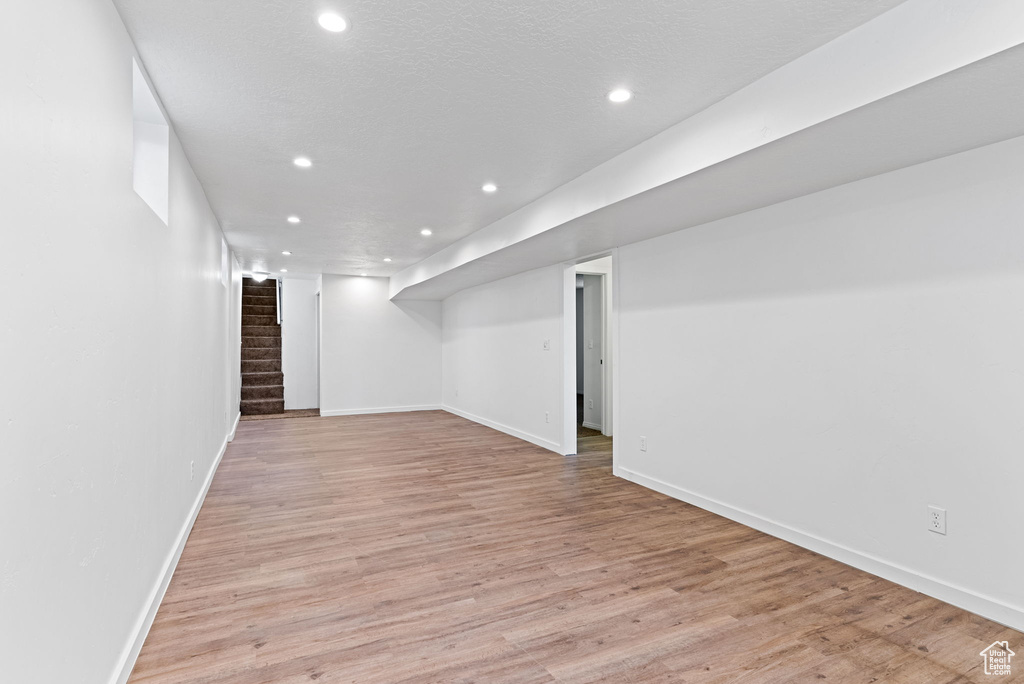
262, 379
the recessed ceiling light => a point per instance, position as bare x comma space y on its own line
294, 219
303, 162
387, 259
284, 270
620, 95
426, 231
489, 187
363, 274
286, 253
335, 23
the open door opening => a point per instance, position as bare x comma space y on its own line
280, 352
590, 352
591, 357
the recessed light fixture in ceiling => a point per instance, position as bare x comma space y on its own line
303, 162
284, 270
363, 274
620, 95
489, 187
335, 23
286, 253
387, 259
294, 219
426, 231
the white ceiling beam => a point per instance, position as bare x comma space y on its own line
914, 43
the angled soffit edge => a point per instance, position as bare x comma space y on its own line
912, 44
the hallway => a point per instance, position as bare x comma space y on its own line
421, 547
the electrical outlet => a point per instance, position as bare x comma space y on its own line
643, 444
937, 519
456, 391
590, 344
547, 417
547, 345
591, 403
192, 470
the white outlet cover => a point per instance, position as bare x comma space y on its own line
936, 520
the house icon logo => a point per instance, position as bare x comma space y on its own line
997, 658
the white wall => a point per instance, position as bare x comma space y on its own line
377, 355
826, 368
298, 343
119, 344
496, 370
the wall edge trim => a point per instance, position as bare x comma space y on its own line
985, 606
234, 429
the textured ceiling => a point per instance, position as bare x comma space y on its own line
406, 114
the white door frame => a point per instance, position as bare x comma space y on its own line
319, 401
610, 349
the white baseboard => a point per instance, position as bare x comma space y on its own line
382, 409
525, 436
234, 429
592, 426
131, 652
1005, 614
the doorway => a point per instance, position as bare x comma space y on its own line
589, 354
280, 349
591, 358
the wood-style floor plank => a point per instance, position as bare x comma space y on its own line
423, 548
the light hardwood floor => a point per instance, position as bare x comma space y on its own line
422, 547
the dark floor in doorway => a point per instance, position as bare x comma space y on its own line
580, 430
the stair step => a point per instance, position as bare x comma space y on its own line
260, 366
254, 310
252, 407
261, 331
262, 379
267, 392
261, 354
253, 319
262, 343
